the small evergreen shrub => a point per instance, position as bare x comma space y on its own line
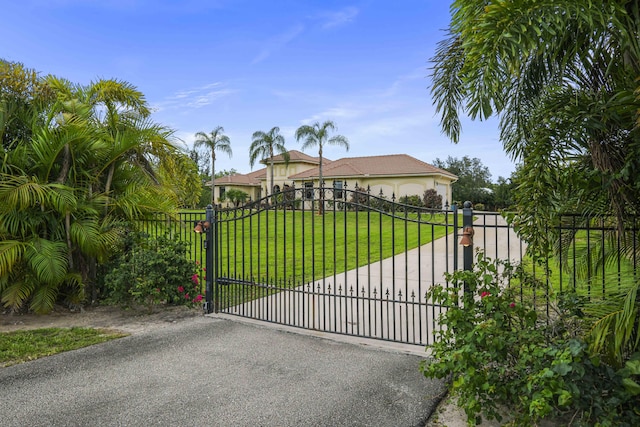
150, 272
414, 200
431, 199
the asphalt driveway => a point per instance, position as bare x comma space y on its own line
219, 372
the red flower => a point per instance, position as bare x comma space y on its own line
197, 262
198, 298
194, 279
512, 305
187, 296
484, 294
180, 289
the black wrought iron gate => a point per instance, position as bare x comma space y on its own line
341, 261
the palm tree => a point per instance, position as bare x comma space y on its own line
265, 145
562, 77
318, 134
216, 140
67, 189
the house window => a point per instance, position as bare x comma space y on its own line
222, 191
276, 189
337, 189
308, 190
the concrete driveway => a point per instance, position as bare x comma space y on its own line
218, 372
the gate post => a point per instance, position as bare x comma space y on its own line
467, 224
210, 247
467, 240
454, 208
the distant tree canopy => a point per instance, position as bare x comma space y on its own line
225, 172
504, 192
474, 179
22, 95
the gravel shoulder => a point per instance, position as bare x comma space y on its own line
128, 320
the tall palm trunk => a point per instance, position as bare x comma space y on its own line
107, 186
270, 189
62, 177
213, 178
320, 183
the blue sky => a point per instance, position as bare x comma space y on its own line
249, 65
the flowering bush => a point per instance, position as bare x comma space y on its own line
500, 352
153, 272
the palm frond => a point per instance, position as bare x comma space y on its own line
84, 233
118, 95
21, 192
15, 294
15, 224
615, 329
137, 201
11, 252
43, 298
448, 87
74, 288
48, 260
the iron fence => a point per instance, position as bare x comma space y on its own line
350, 262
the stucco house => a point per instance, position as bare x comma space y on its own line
393, 174
249, 183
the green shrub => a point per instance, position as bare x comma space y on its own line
414, 200
500, 352
431, 199
152, 272
237, 197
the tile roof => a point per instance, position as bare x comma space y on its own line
296, 156
252, 178
387, 165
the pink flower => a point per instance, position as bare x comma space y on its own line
187, 296
197, 262
180, 289
194, 279
204, 269
198, 298
484, 294
512, 305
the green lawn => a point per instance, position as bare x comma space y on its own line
295, 246
283, 245
582, 268
22, 346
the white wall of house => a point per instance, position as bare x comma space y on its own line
402, 186
281, 174
252, 190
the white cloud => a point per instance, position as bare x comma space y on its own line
278, 42
334, 113
341, 17
194, 97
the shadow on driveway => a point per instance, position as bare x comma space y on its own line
217, 372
